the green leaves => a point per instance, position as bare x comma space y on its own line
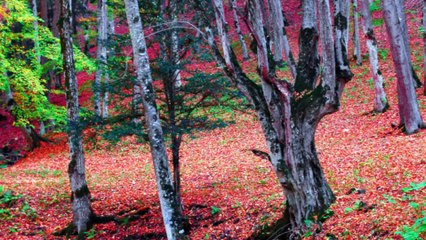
21, 73
414, 187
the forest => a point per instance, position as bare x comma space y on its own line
212, 119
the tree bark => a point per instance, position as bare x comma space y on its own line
233, 5
308, 64
341, 34
170, 208
101, 56
80, 195
380, 100
288, 119
410, 117
403, 21
277, 29
424, 47
50, 10
357, 47
280, 37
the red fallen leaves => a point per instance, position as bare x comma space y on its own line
357, 150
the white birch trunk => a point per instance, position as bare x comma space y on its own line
409, 112
380, 100
357, 47
171, 209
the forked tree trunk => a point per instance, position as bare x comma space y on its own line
101, 56
380, 100
171, 209
308, 64
357, 47
80, 195
288, 119
409, 113
400, 9
233, 5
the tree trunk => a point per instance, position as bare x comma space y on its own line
280, 37
380, 100
400, 9
277, 29
171, 209
50, 10
110, 54
233, 5
288, 119
409, 112
308, 64
424, 46
80, 195
341, 34
357, 47
102, 58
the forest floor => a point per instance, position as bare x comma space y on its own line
229, 193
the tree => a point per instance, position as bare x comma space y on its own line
341, 35
102, 60
280, 36
308, 64
233, 5
289, 116
22, 74
409, 113
80, 194
357, 48
50, 10
170, 207
400, 10
424, 46
380, 100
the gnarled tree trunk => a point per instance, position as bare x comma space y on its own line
80, 195
170, 207
289, 118
380, 100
